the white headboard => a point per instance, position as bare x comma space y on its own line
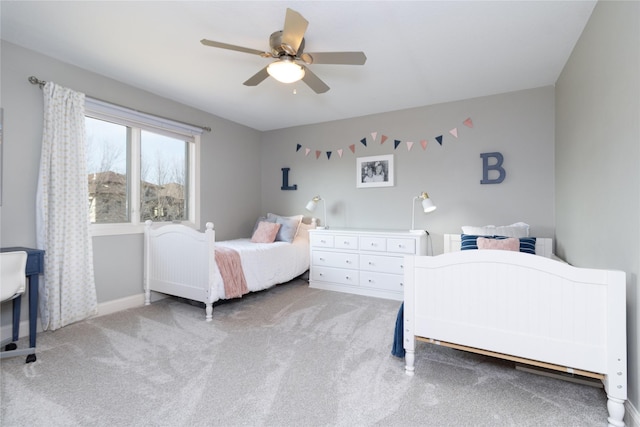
544, 245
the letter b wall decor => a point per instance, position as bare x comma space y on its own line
495, 166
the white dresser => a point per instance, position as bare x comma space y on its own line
365, 262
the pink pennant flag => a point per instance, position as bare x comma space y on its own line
318, 152
352, 147
374, 135
454, 132
424, 144
340, 152
383, 139
307, 151
468, 123
409, 145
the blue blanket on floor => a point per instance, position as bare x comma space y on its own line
398, 336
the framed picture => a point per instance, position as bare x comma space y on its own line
375, 171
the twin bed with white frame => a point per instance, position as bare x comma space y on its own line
181, 261
532, 309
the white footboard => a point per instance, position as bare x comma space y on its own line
522, 306
180, 261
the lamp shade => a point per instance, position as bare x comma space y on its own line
311, 206
285, 70
428, 206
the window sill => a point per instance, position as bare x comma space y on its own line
120, 229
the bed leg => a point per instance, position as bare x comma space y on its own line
409, 358
147, 297
616, 412
209, 311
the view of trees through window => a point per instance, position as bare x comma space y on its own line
160, 176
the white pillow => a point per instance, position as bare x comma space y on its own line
518, 229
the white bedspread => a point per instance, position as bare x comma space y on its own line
267, 264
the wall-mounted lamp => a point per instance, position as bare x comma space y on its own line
286, 70
427, 206
313, 204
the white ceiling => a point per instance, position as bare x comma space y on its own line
418, 52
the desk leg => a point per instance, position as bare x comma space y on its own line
17, 303
33, 309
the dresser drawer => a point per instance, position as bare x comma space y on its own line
389, 282
321, 241
401, 246
383, 264
369, 243
335, 275
335, 259
345, 242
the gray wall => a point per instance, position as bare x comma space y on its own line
598, 153
230, 195
520, 125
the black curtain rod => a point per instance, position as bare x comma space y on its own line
36, 81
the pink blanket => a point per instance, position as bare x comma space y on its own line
230, 267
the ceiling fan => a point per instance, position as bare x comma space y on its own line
287, 46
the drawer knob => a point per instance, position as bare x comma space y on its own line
401, 284
321, 259
370, 263
400, 246
323, 241
348, 261
346, 243
370, 281
348, 278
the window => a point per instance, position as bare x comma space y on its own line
140, 168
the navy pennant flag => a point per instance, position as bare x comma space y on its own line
364, 141
298, 147
439, 139
396, 142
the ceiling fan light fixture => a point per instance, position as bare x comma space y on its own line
285, 70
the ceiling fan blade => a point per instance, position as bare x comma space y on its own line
294, 28
314, 82
341, 58
257, 78
233, 47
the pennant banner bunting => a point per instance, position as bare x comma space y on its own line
396, 142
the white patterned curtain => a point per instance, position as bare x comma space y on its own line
67, 293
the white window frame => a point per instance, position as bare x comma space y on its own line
138, 121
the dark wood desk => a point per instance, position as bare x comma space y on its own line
35, 267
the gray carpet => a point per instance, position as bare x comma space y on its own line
289, 356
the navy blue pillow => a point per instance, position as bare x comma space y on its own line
470, 241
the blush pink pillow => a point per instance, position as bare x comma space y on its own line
266, 232
509, 244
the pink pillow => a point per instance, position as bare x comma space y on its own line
509, 244
266, 232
